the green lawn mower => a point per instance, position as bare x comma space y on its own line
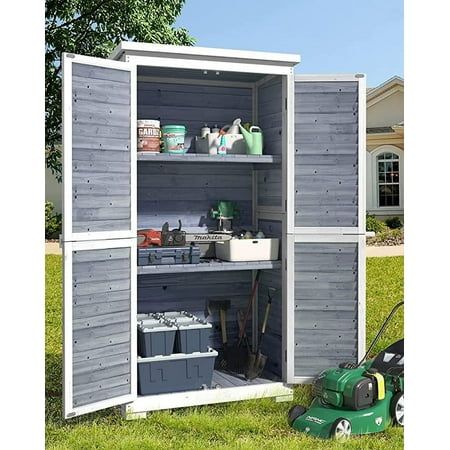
356, 399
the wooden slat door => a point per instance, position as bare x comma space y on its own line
99, 234
326, 225
99, 137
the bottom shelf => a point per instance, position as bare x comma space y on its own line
225, 388
225, 380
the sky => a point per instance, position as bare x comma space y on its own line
332, 36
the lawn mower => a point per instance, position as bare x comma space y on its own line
358, 398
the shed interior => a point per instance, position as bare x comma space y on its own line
186, 187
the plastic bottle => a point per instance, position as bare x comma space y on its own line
205, 130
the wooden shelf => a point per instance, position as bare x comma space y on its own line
201, 157
208, 266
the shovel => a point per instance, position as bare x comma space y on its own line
238, 355
257, 361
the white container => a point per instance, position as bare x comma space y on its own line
248, 249
234, 144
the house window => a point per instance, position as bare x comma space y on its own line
388, 164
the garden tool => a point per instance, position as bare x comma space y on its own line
238, 354
222, 306
356, 398
257, 361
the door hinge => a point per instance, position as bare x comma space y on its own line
285, 103
285, 263
285, 205
285, 356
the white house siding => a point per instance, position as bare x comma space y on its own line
384, 110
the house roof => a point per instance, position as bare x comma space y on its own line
377, 130
398, 128
384, 90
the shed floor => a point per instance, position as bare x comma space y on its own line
225, 379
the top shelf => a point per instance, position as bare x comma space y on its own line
201, 157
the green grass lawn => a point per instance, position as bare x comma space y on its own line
257, 424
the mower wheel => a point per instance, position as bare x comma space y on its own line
397, 409
294, 413
341, 429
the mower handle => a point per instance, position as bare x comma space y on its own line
383, 327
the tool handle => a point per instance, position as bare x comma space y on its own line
266, 317
250, 303
240, 318
383, 327
223, 326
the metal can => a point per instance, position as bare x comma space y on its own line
148, 135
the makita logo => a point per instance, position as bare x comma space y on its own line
208, 237
203, 237
315, 420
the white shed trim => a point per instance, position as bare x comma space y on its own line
187, 52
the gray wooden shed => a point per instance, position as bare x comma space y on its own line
307, 189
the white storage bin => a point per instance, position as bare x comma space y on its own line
234, 143
248, 249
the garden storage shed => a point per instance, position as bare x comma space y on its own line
306, 189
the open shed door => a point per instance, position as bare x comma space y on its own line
326, 226
99, 233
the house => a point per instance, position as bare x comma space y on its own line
385, 146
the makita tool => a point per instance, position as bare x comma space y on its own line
150, 237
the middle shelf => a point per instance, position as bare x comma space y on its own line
208, 266
206, 158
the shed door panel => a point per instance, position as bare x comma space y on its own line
98, 311
326, 186
327, 316
270, 118
99, 149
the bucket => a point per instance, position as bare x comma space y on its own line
148, 136
173, 138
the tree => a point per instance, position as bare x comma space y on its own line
94, 28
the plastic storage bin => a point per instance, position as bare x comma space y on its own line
156, 336
168, 255
234, 144
192, 334
248, 249
175, 373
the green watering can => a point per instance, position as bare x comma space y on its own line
253, 138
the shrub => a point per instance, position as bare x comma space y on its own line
394, 222
53, 222
375, 225
387, 237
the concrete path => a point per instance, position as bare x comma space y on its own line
388, 250
52, 248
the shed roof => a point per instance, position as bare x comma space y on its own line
187, 52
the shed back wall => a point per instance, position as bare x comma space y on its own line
193, 105
172, 191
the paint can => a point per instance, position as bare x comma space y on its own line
148, 136
173, 138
